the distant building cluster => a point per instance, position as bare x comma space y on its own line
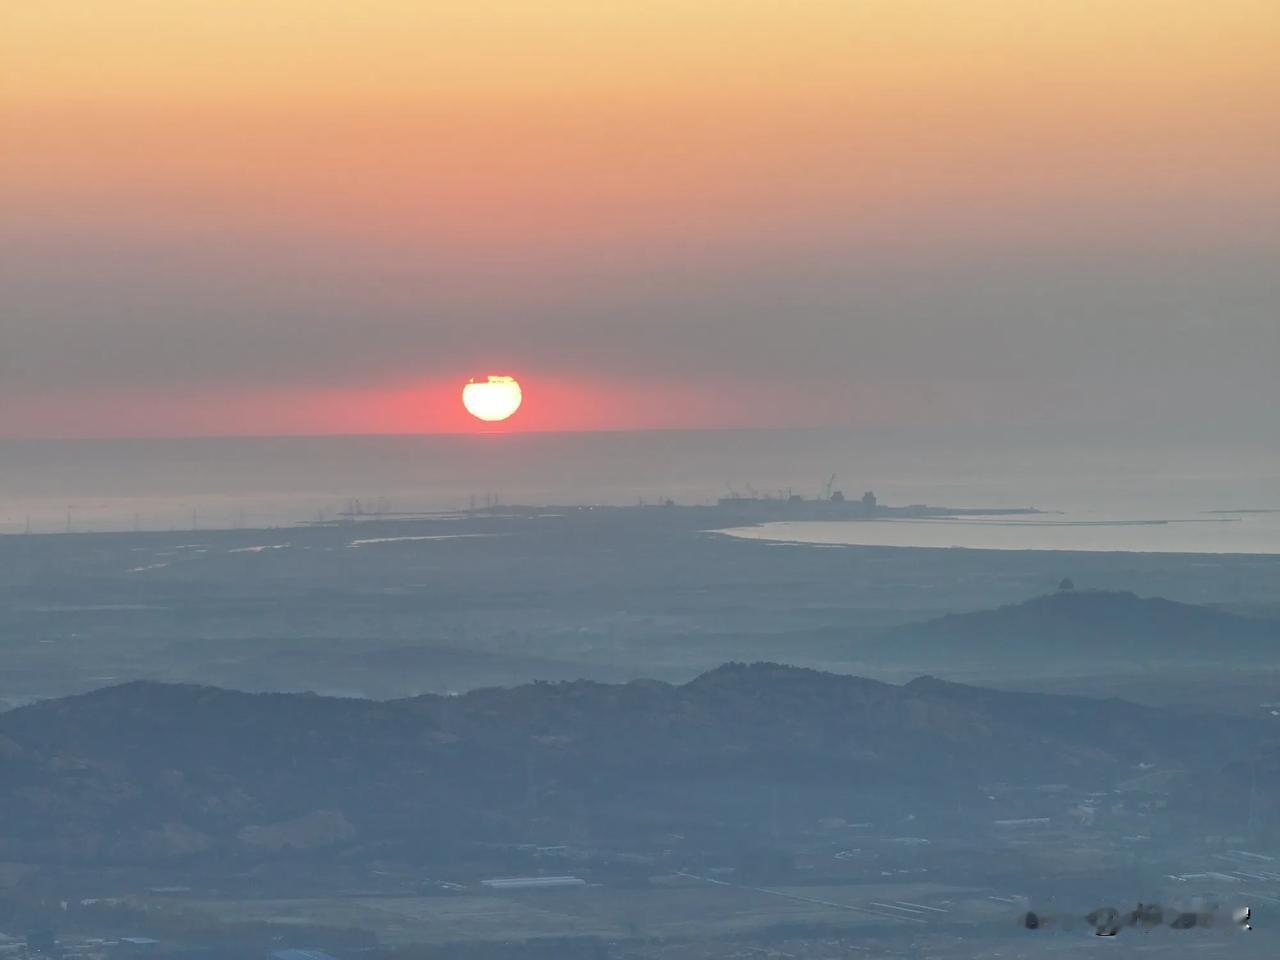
834, 505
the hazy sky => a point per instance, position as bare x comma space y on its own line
223, 216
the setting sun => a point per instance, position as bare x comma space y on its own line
493, 398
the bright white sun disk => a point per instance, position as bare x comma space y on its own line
492, 398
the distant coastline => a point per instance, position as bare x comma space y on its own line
1244, 533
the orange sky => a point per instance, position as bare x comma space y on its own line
568, 136
583, 121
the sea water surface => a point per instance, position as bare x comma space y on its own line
1243, 532
1101, 490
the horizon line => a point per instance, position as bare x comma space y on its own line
482, 434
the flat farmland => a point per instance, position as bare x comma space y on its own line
694, 908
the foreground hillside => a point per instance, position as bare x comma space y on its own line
148, 772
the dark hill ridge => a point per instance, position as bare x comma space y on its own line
1082, 627
149, 771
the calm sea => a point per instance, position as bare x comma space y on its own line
1252, 532
109, 485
